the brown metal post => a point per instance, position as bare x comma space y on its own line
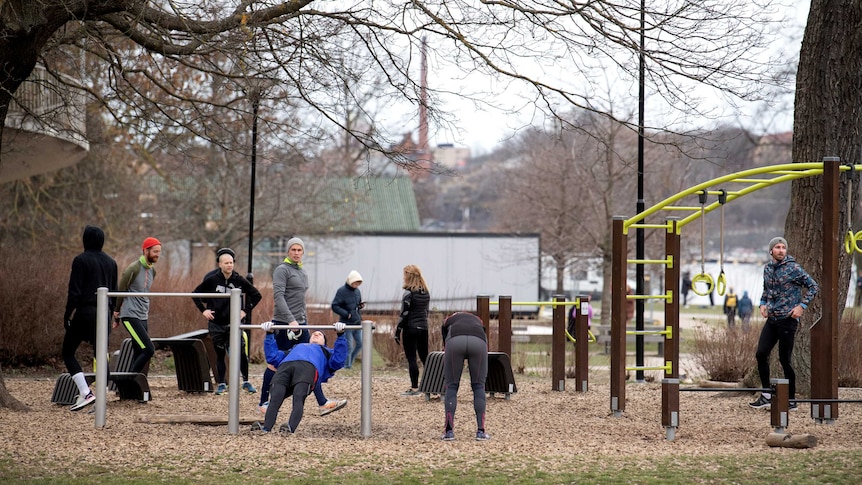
618, 318
582, 349
483, 311
670, 385
824, 335
558, 346
504, 328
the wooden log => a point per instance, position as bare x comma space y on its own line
191, 419
791, 440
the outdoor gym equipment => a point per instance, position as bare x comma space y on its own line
703, 277
721, 282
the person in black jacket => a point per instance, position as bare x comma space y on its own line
464, 338
412, 326
217, 311
348, 305
91, 269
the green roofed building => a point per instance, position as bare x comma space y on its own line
369, 204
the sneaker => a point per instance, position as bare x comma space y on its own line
792, 406
448, 436
285, 429
263, 407
83, 402
411, 392
482, 436
221, 389
761, 403
248, 387
332, 406
258, 426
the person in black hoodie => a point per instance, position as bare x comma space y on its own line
91, 270
413, 323
217, 311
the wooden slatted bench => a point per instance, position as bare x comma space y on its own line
192, 360
129, 385
500, 377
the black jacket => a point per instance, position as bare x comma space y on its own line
414, 310
91, 270
215, 282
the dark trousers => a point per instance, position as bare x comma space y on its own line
82, 329
143, 346
294, 378
220, 335
415, 343
783, 332
475, 351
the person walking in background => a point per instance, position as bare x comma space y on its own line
134, 311
289, 284
348, 305
630, 305
298, 372
686, 287
91, 270
412, 328
781, 305
464, 338
217, 312
729, 307
745, 308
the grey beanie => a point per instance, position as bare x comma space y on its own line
295, 240
777, 240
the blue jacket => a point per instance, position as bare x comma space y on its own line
782, 287
325, 360
346, 304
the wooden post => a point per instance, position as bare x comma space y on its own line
504, 327
824, 335
582, 345
483, 311
618, 318
558, 346
670, 384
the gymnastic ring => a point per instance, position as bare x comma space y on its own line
849, 239
721, 284
705, 278
856, 238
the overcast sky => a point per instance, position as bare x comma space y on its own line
483, 129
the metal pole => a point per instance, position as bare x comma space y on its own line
235, 342
101, 355
367, 348
639, 233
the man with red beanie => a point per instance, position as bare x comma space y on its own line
133, 311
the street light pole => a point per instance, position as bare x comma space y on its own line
639, 234
254, 94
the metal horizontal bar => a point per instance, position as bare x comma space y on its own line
725, 389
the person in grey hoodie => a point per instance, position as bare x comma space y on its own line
289, 284
134, 311
91, 269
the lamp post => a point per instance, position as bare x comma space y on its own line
639, 234
254, 97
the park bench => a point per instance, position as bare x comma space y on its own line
603, 337
500, 378
129, 385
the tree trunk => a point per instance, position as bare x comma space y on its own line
6, 399
827, 121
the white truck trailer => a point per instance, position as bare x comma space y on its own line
456, 266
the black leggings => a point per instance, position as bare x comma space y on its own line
143, 346
475, 351
783, 332
294, 378
415, 342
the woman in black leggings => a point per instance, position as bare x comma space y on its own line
464, 338
412, 326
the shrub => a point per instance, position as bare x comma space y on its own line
725, 354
